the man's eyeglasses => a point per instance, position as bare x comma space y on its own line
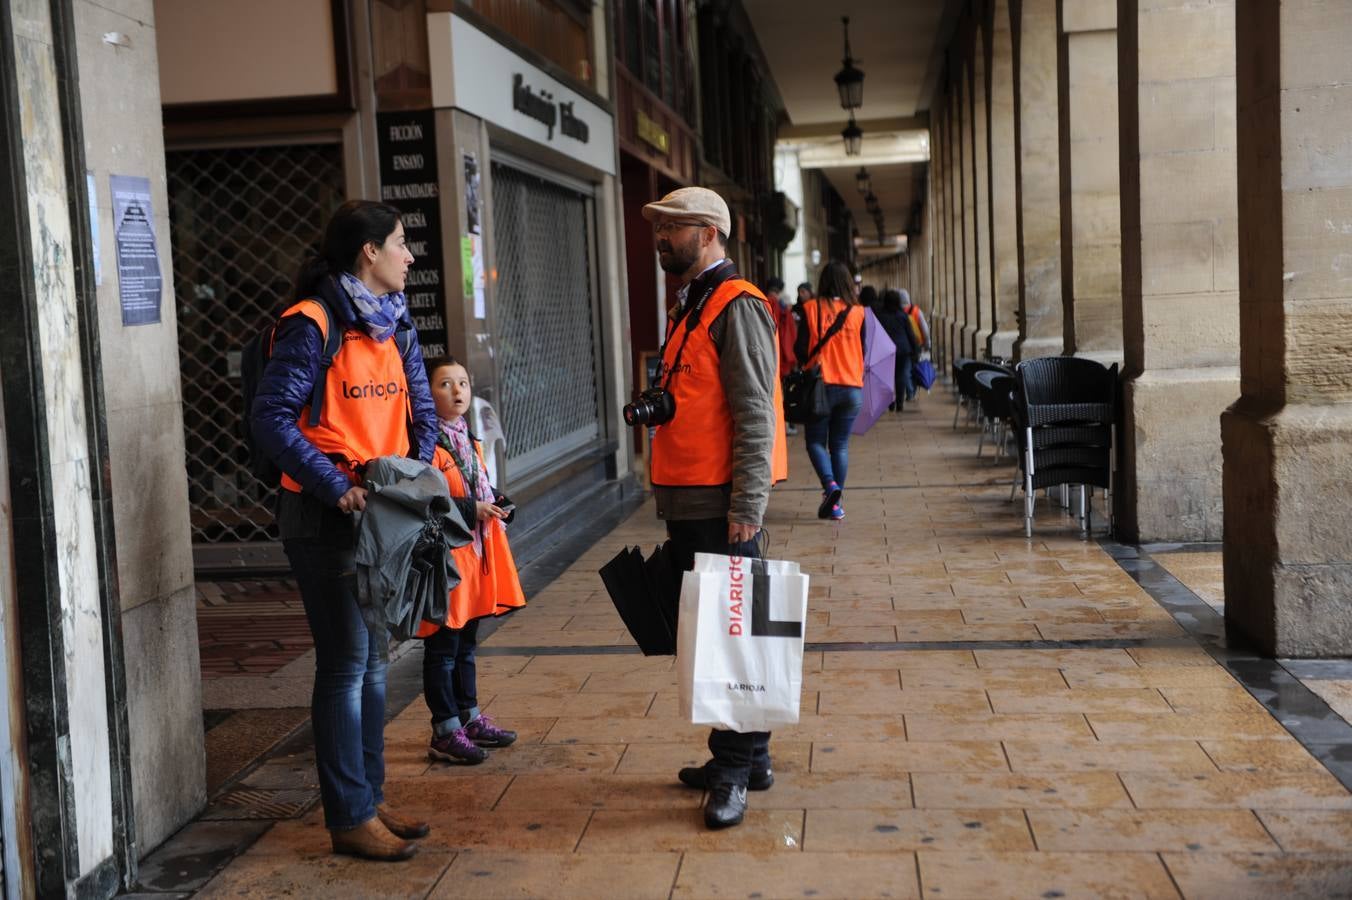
674, 225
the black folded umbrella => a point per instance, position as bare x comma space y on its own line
646, 595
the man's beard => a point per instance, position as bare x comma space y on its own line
679, 260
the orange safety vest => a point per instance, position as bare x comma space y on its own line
366, 407
842, 359
694, 449
484, 590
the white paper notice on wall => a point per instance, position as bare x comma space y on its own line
139, 281
94, 226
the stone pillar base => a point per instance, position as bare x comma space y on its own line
1288, 528
1170, 452
967, 342
1032, 348
1002, 344
982, 342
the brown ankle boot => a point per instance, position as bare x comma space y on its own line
371, 840
402, 826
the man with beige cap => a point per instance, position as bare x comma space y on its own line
720, 443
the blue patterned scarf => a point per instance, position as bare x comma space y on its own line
378, 315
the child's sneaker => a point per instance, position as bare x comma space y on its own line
837, 513
484, 732
456, 747
830, 498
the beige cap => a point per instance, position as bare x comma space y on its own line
695, 204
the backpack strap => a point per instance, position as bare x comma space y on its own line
333, 342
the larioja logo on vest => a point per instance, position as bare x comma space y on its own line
372, 389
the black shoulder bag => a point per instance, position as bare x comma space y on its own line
804, 390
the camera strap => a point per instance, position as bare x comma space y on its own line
690, 319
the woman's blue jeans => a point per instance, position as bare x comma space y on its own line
347, 707
828, 438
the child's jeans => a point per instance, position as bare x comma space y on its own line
449, 681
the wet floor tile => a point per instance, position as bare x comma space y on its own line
667, 759
1192, 830
978, 790
1084, 700
842, 876
994, 876
510, 829
647, 830
549, 791
1152, 677
319, 873
895, 702
593, 704
1282, 754
495, 874
1252, 876
827, 728
1221, 790
536, 757
911, 756
915, 829
801, 790
1310, 831
995, 727
1185, 727
982, 679
899, 659
1089, 755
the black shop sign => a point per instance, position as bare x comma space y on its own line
407, 144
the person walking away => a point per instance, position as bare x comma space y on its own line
902, 332
841, 358
359, 277
489, 584
723, 446
804, 295
918, 317
786, 330
868, 297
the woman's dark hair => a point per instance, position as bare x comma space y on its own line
868, 296
436, 362
892, 300
835, 282
351, 227
806, 285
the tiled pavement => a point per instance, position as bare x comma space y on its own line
983, 716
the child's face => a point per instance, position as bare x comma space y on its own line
450, 390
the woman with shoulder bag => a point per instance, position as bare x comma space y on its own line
374, 389
832, 337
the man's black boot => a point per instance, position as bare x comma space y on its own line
695, 777
726, 805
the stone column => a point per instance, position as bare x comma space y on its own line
1288, 471
957, 220
971, 293
937, 220
1004, 257
1093, 293
1180, 270
1039, 180
981, 165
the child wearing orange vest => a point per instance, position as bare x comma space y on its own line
489, 584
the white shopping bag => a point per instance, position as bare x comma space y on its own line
739, 642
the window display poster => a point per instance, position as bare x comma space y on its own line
474, 226
139, 281
407, 144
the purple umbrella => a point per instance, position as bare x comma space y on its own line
880, 373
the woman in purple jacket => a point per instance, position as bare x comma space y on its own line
356, 283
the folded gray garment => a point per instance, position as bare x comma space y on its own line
404, 539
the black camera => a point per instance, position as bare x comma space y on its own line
655, 406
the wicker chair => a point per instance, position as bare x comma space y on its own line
1066, 411
965, 374
995, 395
